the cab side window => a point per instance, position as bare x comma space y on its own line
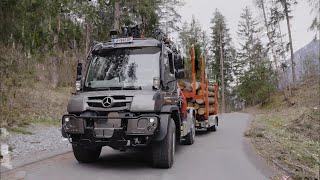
169, 70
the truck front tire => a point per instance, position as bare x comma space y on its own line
190, 137
86, 154
163, 151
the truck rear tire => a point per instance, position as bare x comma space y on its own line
163, 152
86, 154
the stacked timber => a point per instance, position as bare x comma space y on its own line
199, 104
187, 86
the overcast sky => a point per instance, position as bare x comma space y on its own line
231, 9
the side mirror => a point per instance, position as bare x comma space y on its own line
79, 71
180, 74
78, 78
179, 62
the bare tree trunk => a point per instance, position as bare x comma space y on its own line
222, 75
116, 23
55, 72
87, 37
59, 23
293, 64
13, 43
55, 59
269, 33
11, 35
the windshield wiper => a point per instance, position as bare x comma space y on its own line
132, 88
97, 88
90, 88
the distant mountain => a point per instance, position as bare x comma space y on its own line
307, 63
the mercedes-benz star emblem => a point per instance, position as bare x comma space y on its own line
107, 102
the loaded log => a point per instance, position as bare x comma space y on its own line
202, 101
210, 94
196, 106
190, 104
211, 88
202, 111
185, 85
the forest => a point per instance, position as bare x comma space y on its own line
42, 41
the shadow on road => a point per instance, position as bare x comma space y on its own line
202, 133
131, 159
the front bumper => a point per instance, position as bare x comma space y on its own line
112, 127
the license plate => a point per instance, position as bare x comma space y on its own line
101, 123
122, 40
112, 122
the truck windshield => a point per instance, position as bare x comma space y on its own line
131, 68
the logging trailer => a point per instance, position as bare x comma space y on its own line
203, 96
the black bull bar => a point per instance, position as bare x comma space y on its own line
108, 128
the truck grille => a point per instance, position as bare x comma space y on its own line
112, 102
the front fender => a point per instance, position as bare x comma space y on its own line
169, 109
164, 121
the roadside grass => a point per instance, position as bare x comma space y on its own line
298, 153
19, 130
46, 121
37, 120
36, 103
288, 136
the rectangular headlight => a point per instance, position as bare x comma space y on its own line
143, 125
72, 125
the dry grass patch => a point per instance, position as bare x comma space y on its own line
37, 103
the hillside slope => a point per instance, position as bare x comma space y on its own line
286, 131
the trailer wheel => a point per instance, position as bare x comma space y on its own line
163, 152
86, 154
212, 128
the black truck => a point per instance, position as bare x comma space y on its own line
127, 97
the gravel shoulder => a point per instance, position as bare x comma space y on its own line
22, 149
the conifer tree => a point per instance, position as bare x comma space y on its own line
221, 49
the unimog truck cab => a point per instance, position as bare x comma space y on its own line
127, 97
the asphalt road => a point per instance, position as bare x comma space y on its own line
222, 155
